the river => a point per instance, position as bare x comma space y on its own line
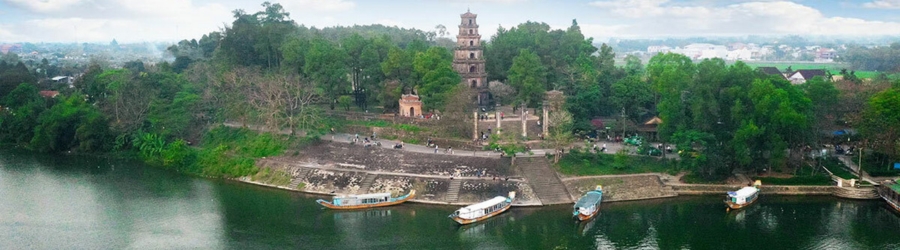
68, 202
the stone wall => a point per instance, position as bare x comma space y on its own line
357, 157
623, 188
341, 168
701, 189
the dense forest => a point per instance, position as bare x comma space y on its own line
265, 69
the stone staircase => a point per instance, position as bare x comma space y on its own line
543, 180
453, 191
865, 193
366, 184
297, 177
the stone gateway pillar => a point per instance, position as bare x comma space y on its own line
475, 131
498, 122
524, 121
545, 128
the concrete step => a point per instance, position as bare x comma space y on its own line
543, 180
856, 193
366, 184
453, 191
297, 176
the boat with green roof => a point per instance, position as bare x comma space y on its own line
589, 204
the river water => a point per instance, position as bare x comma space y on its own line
54, 202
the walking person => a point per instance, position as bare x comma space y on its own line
435, 148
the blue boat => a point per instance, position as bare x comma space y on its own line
589, 204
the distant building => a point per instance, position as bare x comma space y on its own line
68, 80
803, 75
825, 55
14, 48
49, 93
658, 49
468, 58
771, 71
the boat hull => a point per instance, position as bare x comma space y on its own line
733, 205
364, 206
462, 221
584, 217
892, 203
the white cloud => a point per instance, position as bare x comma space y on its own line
317, 5
883, 4
124, 20
487, 1
43, 6
660, 18
390, 23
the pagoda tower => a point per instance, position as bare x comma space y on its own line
468, 59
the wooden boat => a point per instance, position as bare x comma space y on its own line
743, 197
485, 209
588, 205
890, 191
366, 200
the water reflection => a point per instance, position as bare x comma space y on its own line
480, 234
115, 205
583, 227
95, 206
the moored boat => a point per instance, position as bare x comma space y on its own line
890, 191
483, 210
588, 205
366, 200
743, 197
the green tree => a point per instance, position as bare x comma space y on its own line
11, 75
633, 95
398, 66
824, 98
438, 78
669, 74
23, 107
528, 77
71, 124
325, 65
879, 123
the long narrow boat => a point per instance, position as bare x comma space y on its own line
890, 191
743, 197
588, 205
366, 200
481, 211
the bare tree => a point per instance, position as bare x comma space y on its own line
457, 113
441, 30
129, 102
299, 95
560, 131
233, 88
502, 92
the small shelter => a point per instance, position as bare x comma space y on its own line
650, 127
410, 106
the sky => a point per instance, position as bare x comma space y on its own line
172, 20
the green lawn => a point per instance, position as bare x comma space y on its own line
815, 180
837, 168
805, 176
834, 68
584, 164
799, 65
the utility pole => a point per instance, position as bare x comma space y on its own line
623, 123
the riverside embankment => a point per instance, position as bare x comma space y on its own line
334, 168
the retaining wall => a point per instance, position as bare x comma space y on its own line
702, 189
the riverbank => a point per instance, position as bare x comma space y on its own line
445, 179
